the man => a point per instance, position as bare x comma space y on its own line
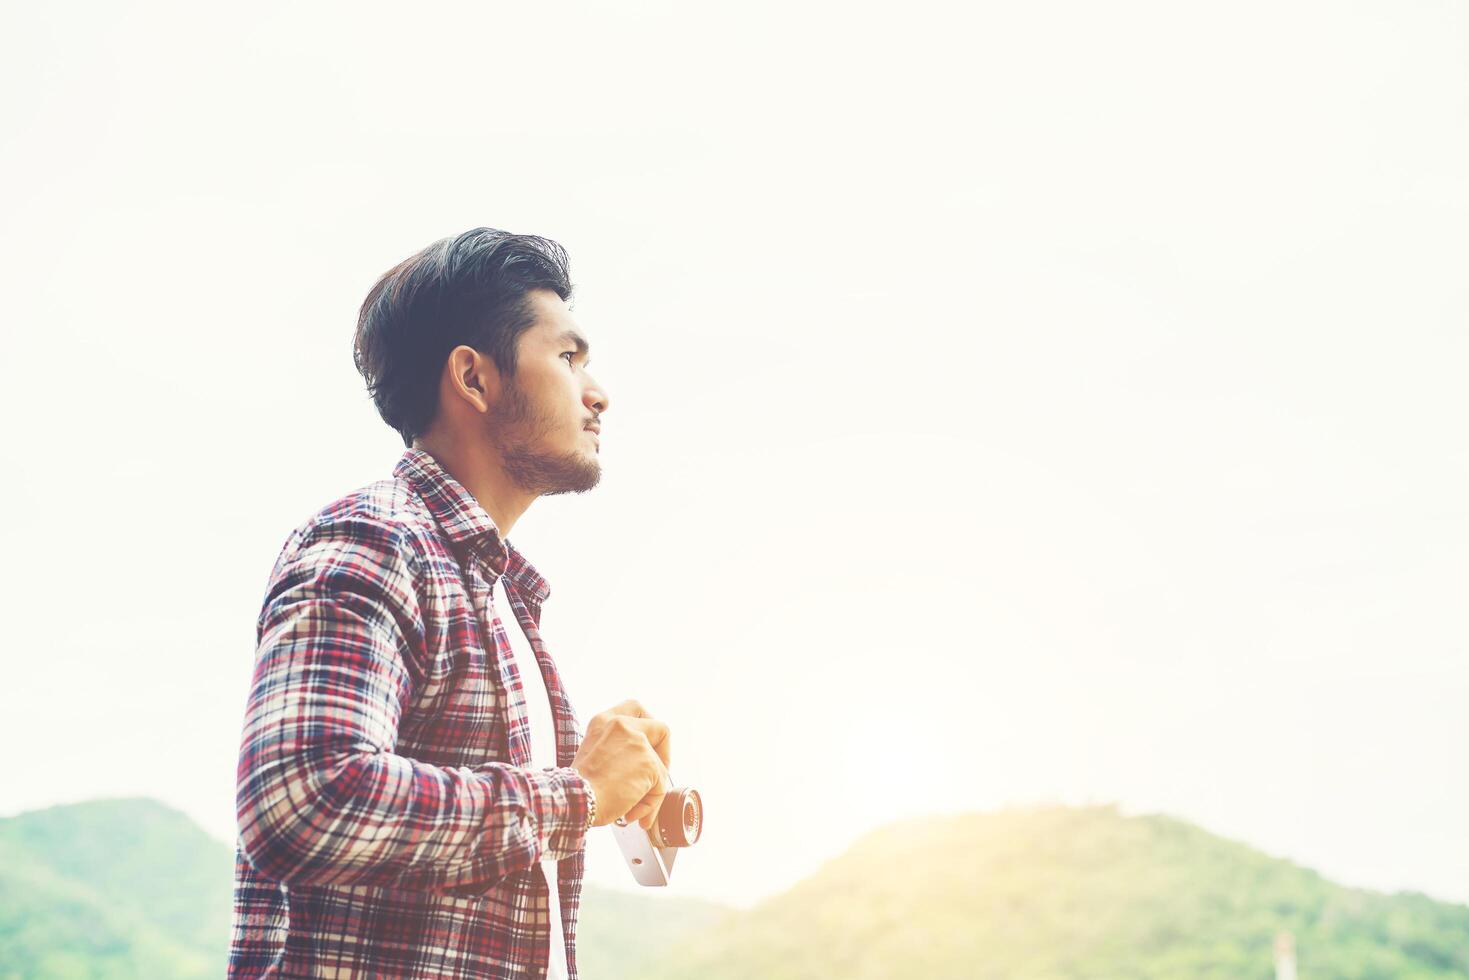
413, 791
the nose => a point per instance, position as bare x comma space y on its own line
595, 397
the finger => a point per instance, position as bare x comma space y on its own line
652, 816
653, 798
662, 743
646, 820
629, 707
658, 736
662, 782
660, 739
653, 802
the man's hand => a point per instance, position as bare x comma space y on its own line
625, 756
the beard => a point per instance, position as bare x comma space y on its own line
516, 428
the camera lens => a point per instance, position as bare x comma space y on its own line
680, 818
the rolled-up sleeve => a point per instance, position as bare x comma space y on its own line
321, 796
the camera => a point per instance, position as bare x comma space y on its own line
650, 853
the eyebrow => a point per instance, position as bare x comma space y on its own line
572, 337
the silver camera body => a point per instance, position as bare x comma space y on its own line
650, 853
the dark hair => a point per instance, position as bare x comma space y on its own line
469, 289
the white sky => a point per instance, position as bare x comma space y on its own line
1031, 402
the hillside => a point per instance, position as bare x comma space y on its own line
1071, 893
134, 890
621, 934
112, 888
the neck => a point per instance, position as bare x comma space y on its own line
478, 469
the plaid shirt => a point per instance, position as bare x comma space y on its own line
390, 825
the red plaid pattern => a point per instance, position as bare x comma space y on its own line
389, 823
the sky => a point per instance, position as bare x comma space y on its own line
1012, 404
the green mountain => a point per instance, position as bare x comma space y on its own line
133, 889
1064, 892
621, 934
112, 889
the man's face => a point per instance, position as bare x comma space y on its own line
540, 422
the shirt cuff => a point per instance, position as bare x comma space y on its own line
564, 810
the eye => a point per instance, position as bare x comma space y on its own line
570, 353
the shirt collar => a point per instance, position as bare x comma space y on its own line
468, 526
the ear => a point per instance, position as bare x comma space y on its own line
472, 378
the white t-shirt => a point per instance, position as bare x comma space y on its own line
542, 750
